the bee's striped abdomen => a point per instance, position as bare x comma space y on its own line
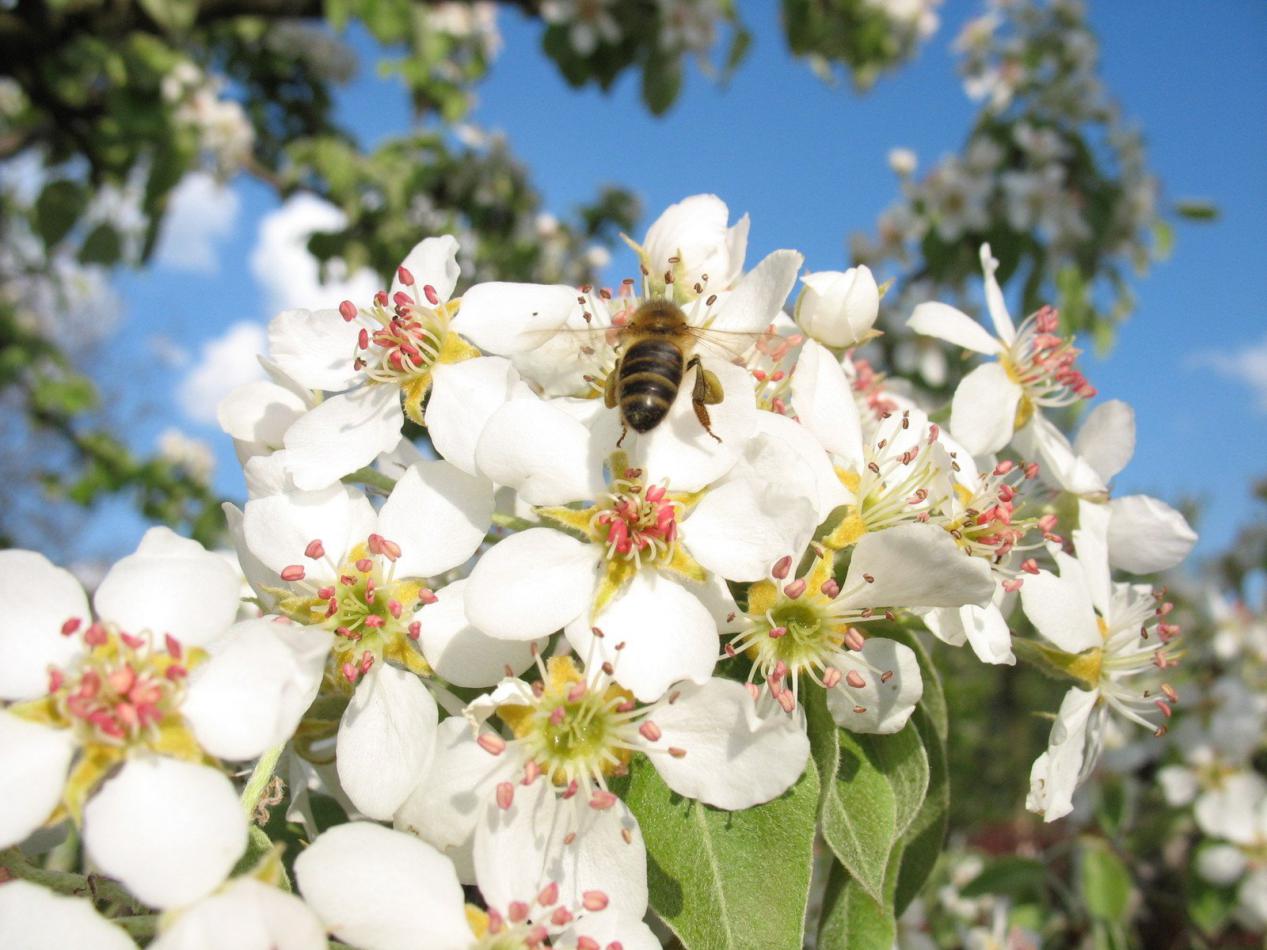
650, 374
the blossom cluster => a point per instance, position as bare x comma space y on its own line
475, 641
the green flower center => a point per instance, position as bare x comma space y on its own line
572, 732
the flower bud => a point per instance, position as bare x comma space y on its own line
839, 309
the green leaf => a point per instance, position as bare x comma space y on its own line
1209, 906
933, 702
851, 918
740, 44
1163, 239
1104, 881
1197, 209
174, 16
872, 790
661, 82
58, 208
1021, 879
922, 843
727, 880
101, 246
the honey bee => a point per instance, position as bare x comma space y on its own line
655, 350
657, 345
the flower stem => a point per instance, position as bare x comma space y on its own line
259, 780
139, 927
514, 522
371, 478
65, 882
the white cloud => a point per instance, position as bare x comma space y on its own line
288, 274
1248, 366
201, 214
222, 364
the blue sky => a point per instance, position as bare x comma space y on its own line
807, 162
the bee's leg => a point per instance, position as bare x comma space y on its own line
609, 388
706, 392
624, 431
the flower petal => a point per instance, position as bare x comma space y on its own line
261, 678
169, 830
260, 412
36, 598
813, 464
520, 849
386, 740
433, 262
316, 348
679, 449
983, 627
914, 565
540, 451
464, 397
823, 400
983, 409
383, 889
505, 318
741, 528
1106, 440
342, 434
1146, 535
734, 758
944, 322
246, 915
531, 584
884, 702
459, 651
999, 316
278, 528
760, 294
451, 798
1060, 607
667, 636
1230, 810
1040, 439
608, 928
438, 515
36, 759
171, 585
34, 918
1056, 773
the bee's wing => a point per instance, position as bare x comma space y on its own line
731, 345
569, 361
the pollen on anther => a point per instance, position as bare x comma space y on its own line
594, 901
650, 731
602, 800
293, 572
491, 743
505, 795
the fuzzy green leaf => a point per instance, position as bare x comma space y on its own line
58, 207
872, 790
710, 871
1104, 881
174, 16
851, 918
